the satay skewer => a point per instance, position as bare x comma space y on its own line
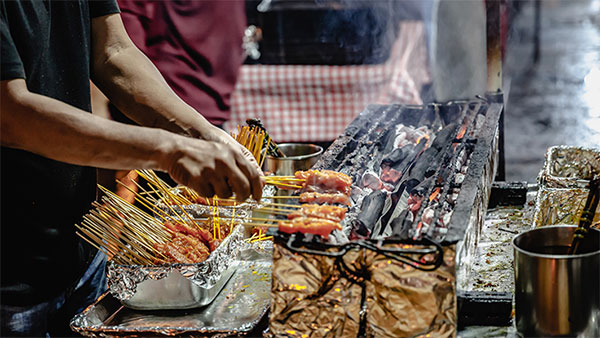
281, 197
259, 224
281, 205
274, 211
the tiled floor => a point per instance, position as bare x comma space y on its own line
557, 100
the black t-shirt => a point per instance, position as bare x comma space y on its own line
48, 43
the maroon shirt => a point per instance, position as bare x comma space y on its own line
196, 45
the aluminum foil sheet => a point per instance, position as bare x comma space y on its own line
235, 311
176, 286
362, 294
569, 167
561, 206
199, 211
406, 302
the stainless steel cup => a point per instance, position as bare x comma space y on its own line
298, 157
557, 294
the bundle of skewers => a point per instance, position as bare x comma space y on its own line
324, 197
130, 236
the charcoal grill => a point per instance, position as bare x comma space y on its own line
387, 261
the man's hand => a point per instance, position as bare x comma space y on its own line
214, 168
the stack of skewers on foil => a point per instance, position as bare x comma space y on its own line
174, 228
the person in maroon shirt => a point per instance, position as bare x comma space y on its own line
196, 45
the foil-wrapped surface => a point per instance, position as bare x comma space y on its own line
199, 211
310, 296
569, 167
490, 264
364, 293
406, 302
235, 311
176, 286
561, 206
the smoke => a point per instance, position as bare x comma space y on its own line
457, 49
331, 32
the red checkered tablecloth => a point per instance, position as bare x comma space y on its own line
304, 103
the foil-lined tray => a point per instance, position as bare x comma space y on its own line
561, 206
563, 185
235, 311
490, 266
176, 286
361, 293
569, 167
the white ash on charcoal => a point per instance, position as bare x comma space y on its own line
406, 135
418, 167
397, 169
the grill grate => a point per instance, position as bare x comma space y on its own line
420, 201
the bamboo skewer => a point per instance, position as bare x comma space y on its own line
275, 211
258, 224
284, 178
285, 185
281, 197
282, 205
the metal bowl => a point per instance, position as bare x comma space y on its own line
556, 294
299, 156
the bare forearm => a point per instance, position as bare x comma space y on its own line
134, 85
56, 130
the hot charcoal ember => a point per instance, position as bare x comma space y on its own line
330, 212
187, 245
309, 225
370, 210
323, 198
371, 180
402, 224
356, 144
325, 181
418, 178
398, 156
414, 168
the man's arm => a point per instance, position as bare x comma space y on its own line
59, 131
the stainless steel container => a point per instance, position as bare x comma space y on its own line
299, 156
177, 286
175, 292
557, 294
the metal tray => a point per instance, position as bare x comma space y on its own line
177, 286
569, 167
485, 291
237, 310
561, 206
